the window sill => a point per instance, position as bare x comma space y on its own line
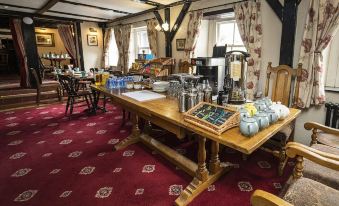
331, 89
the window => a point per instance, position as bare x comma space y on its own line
227, 33
331, 64
141, 41
138, 43
113, 53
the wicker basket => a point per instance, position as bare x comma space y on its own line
232, 121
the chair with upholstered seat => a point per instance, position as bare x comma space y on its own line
323, 134
280, 79
303, 190
45, 86
185, 67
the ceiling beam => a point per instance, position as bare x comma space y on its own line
47, 6
179, 20
52, 11
152, 3
95, 7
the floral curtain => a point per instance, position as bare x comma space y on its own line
248, 18
122, 36
66, 35
193, 28
107, 40
152, 36
321, 25
18, 38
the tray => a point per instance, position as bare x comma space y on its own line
214, 118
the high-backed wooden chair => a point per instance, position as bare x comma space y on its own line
280, 79
282, 83
45, 86
185, 67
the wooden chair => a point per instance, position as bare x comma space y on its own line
70, 85
299, 190
281, 92
323, 134
45, 86
185, 67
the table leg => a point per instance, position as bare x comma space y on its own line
214, 165
133, 138
202, 180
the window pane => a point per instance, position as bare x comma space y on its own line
113, 54
237, 37
225, 33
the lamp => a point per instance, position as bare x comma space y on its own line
27, 20
165, 26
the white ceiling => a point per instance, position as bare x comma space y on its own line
73, 11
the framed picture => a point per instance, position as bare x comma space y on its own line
45, 39
181, 44
92, 40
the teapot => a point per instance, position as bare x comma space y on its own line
251, 109
243, 113
282, 110
272, 115
267, 101
249, 126
262, 120
260, 105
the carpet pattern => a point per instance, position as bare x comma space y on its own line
47, 159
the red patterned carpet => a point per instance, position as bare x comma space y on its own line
46, 159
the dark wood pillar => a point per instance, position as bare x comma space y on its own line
289, 24
78, 44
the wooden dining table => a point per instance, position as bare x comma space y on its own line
165, 114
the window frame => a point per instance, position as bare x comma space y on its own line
217, 33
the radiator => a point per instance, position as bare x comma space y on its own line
332, 115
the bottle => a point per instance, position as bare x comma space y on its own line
220, 98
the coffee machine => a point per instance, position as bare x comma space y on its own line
212, 68
235, 76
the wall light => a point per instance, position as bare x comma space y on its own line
165, 26
158, 27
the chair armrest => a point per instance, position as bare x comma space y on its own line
262, 198
294, 149
315, 125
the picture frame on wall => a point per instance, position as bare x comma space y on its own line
181, 44
92, 40
45, 39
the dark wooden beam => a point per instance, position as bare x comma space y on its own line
158, 17
78, 15
217, 12
95, 7
289, 24
152, 3
179, 20
47, 6
168, 33
276, 7
77, 28
6, 12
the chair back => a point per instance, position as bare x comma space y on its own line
282, 83
68, 84
36, 78
185, 67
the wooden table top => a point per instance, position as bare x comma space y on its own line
167, 109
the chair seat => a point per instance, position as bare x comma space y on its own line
319, 173
328, 139
284, 133
83, 92
307, 192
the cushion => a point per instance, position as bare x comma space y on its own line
328, 139
46, 82
320, 173
284, 133
307, 192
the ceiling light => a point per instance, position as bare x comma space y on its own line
27, 20
165, 26
6, 7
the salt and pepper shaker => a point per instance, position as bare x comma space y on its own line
208, 94
191, 100
182, 101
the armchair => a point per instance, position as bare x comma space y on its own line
302, 190
323, 134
